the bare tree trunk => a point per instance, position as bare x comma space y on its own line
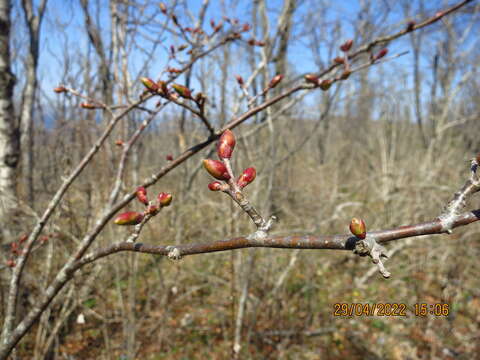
28, 98
9, 134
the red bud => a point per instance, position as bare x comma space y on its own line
88, 106
183, 91
247, 177
11, 263
153, 210
119, 142
164, 199
225, 145
174, 70
358, 228
142, 195
169, 157
246, 27
239, 80
380, 54
60, 89
215, 186
129, 218
345, 75
275, 81
347, 45
216, 168
23, 238
339, 60
325, 84
149, 84
14, 248
312, 79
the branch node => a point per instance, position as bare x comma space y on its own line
370, 247
174, 253
263, 229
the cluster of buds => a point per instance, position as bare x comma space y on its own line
178, 91
216, 27
219, 170
151, 208
16, 248
324, 84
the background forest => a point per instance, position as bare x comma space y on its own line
389, 143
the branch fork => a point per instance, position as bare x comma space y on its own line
459, 201
370, 247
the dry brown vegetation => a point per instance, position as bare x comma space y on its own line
355, 150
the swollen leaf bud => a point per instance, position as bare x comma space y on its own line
129, 218
410, 25
88, 106
164, 199
149, 84
275, 81
325, 84
312, 79
215, 186
183, 91
153, 210
339, 60
345, 75
358, 228
200, 98
60, 89
163, 87
14, 248
216, 168
380, 54
239, 80
142, 195
226, 144
11, 263
247, 177
162, 7
347, 45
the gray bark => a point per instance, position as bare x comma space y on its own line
29, 91
9, 133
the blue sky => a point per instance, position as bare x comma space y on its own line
63, 32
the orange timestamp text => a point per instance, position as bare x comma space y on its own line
390, 309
